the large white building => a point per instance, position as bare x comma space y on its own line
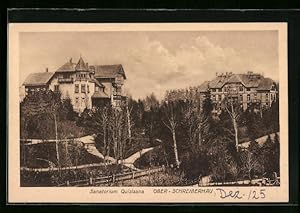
85, 85
247, 89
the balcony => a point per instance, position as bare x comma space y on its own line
65, 80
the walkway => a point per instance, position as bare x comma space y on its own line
89, 144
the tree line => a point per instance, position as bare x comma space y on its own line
190, 136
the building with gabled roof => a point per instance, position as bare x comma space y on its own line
37, 81
247, 89
108, 71
86, 86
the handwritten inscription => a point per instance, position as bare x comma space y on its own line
232, 194
236, 194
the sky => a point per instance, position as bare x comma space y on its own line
155, 61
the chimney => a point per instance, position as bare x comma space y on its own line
71, 60
216, 74
46, 69
87, 65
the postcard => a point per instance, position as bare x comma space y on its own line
147, 113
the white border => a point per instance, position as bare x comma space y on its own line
17, 194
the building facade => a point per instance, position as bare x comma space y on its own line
85, 85
246, 89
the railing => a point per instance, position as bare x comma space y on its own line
113, 178
49, 169
28, 142
261, 181
65, 80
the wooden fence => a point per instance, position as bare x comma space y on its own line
112, 178
261, 181
50, 169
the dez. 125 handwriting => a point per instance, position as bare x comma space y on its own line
253, 194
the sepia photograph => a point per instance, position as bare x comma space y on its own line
150, 107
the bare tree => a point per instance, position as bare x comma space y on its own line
129, 120
48, 103
234, 110
190, 120
249, 162
171, 123
202, 125
53, 110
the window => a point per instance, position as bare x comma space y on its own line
273, 87
248, 89
118, 90
241, 88
226, 88
241, 97
76, 101
83, 101
213, 90
56, 88
82, 88
76, 88
248, 97
88, 88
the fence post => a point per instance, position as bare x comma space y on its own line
113, 178
132, 174
68, 183
149, 174
91, 181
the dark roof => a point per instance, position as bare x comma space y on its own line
67, 67
38, 79
254, 81
81, 66
108, 71
204, 86
72, 67
100, 94
265, 84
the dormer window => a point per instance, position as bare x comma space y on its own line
241, 88
273, 87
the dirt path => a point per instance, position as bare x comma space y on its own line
89, 144
260, 140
